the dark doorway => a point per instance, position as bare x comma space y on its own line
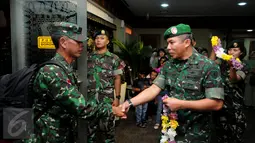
5, 38
151, 39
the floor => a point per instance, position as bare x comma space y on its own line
128, 132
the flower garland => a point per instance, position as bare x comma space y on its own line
219, 51
169, 124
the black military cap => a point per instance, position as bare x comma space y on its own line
101, 32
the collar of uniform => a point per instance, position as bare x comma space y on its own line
107, 53
193, 58
190, 60
62, 60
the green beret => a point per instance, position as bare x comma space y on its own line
177, 30
71, 30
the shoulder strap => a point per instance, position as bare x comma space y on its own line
54, 62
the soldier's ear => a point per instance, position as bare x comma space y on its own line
62, 42
187, 42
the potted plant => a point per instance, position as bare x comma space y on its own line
135, 55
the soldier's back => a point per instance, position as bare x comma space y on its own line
55, 123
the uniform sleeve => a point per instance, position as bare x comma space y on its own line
119, 66
213, 82
243, 72
160, 79
218, 61
67, 95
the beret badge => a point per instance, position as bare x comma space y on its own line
235, 45
102, 32
174, 30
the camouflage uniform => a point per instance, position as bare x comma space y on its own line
231, 121
57, 102
58, 123
192, 79
101, 71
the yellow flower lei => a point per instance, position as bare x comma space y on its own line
214, 40
219, 51
169, 125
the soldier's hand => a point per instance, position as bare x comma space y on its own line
117, 111
115, 102
230, 63
125, 108
173, 104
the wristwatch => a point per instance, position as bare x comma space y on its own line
130, 103
118, 97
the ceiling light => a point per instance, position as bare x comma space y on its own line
242, 3
164, 5
249, 30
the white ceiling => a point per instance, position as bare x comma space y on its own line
191, 8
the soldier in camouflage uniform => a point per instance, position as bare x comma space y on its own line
194, 84
104, 75
231, 121
55, 89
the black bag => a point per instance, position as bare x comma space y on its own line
16, 88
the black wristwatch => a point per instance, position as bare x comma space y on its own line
130, 103
118, 97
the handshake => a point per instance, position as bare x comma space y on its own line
121, 110
173, 104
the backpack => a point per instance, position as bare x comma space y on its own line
16, 89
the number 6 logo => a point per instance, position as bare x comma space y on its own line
14, 122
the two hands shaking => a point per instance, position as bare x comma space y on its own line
121, 110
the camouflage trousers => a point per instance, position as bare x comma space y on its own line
102, 129
231, 126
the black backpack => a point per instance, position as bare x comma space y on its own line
16, 88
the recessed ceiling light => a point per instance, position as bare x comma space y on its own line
164, 5
242, 3
249, 30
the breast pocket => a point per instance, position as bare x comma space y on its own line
194, 74
192, 88
90, 64
107, 66
192, 85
